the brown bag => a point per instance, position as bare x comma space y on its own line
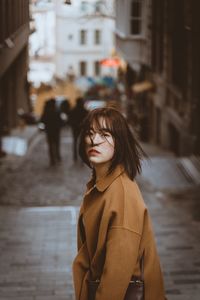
135, 290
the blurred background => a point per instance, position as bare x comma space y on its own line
58, 60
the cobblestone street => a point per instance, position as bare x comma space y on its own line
31, 182
38, 228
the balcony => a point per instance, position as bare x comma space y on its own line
132, 48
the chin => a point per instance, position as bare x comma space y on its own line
95, 161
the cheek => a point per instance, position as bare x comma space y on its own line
86, 149
86, 146
110, 150
110, 142
87, 140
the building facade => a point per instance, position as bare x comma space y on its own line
14, 33
163, 88
42, 43
84, 36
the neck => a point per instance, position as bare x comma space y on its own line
101, 170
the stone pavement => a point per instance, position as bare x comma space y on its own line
30, 181
177, 234
37, 246
163, 171
38, 231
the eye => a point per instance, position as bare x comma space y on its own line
101, 133
106, 134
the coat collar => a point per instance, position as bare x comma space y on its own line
105, 181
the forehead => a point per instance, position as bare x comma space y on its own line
100, 123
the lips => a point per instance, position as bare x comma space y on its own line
93, 152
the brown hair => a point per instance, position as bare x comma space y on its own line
127, 152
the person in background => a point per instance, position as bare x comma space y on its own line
53, 123
116, 244
76, 117
64, 111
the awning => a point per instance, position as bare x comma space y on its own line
110, 62
142, 87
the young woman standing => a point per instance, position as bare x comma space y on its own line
114, 228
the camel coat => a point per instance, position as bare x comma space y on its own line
114, 229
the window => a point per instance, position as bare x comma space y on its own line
96, 68
136, 17
98, 6
97, 37
84, 6
83, 37
83, 68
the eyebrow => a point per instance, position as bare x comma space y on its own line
101, 129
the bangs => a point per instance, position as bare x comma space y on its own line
100, 123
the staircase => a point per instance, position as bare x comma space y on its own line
190, 168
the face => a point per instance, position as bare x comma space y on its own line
99, 145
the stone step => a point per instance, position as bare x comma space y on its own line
19, 140
165, 173
190, 167
196, 161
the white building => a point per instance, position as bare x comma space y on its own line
132, 21
42, 42
84, 36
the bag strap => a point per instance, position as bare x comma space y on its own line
142, 266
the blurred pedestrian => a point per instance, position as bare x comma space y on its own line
53, 123
64, 111
117, 257
76, 117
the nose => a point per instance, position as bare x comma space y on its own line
97, 139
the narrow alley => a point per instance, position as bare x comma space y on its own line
38, 232
60, 59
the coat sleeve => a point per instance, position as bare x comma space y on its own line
80, 272
81, 265
122, 248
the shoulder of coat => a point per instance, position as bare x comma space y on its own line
129, 191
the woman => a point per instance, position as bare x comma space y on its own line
114, 227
